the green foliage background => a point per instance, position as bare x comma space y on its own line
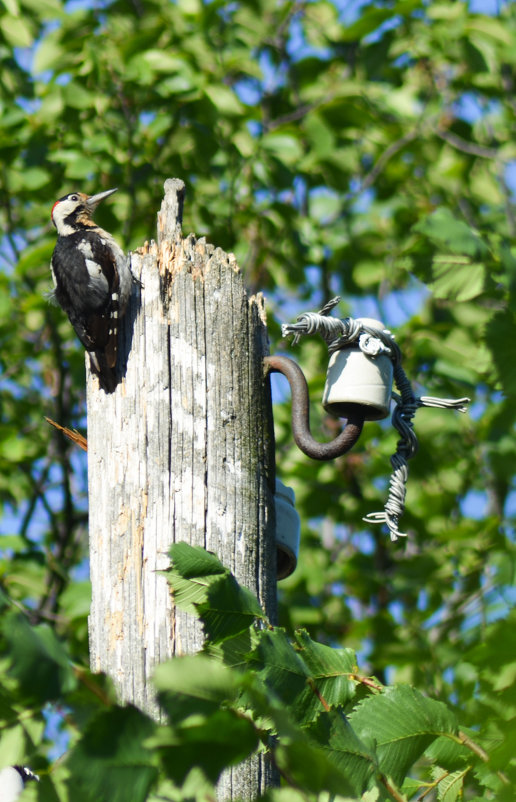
364, 154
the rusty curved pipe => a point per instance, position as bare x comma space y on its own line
301, 414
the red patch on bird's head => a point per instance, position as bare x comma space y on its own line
52, 212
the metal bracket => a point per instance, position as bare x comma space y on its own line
301, 414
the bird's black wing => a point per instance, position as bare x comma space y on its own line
86, 276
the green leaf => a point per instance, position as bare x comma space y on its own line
193, 570
224, 100
43, 8
14, 447
12, 7
33, 178
49, 53
450, 786
366, 274
284, 672
233, 652
372, 17
161, 61
401, 723
445, 11
501, 339
357, 762
194, 561
446, 232
306, 678
285, 147
16, 30
17, 739
76, 600
195, 685
76, 96
228, 610
329, 669
325, 206
14, 543
201, 585
309, 768
487, 26
38, 661
76, 163
110, 762
321, 135
457, 279
447, 753
212, 744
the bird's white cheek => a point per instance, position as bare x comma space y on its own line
11, 784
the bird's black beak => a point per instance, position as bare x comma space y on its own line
93, 201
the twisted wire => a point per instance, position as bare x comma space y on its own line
406, 447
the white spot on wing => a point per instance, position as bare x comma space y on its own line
85, 248
94, 269
97, 277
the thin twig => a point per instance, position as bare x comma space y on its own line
465, 740
37, 487
365, 681
388, 153
392, 790
298, 113
282, 31
319, 695
474, 747
84, 676
465, 146
508, 203
432, 786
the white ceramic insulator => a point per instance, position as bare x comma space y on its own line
356, 379
288, 530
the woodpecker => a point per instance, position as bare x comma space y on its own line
12, 782
92, 280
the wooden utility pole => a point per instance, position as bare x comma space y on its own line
181, 451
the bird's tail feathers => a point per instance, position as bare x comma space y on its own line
101, 366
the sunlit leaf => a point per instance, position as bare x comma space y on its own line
16, 30
446, 231
457, 279
190, 685
401, 723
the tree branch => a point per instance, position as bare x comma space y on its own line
391, 151
297, 114
465, 146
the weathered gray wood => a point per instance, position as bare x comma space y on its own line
181, 451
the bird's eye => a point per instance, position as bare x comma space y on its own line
74, 197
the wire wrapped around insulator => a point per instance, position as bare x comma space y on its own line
301, 414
